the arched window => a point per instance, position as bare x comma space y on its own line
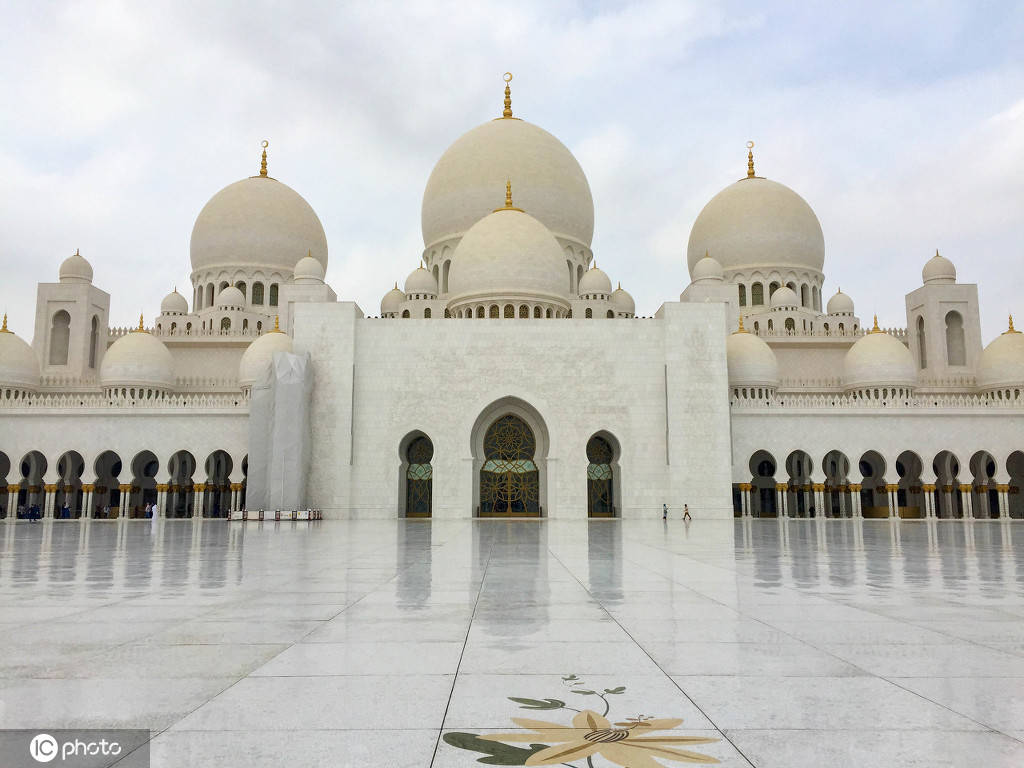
447, 312
771, 326
549, 312
257, 293
419, 477
772, 289
790, 325
804, 295
826, 329
225, 323
579, 276
510, 311
188, 328
842, 329
494, 312
444, 276
956, 352
405, 313
757, 327
479, 311
509, 478
222, 286
536, 312
437, 274
817, 298
245, 325
600, 500
792, 286
589, 313
426, 312
757, 294
273, 294
743, 295
60, 338
524, 311
240, 285
610, 314
922, 348
94, 341
259, 327
209, 295
174, 327
572, 287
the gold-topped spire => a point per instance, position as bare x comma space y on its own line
507, 77
141, 328
750, 159
875, 328
77, 253
1011, 329
4, 328
741, 329
263, 161
277, 324
936, 254
509, 205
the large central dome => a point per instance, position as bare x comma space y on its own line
549, 182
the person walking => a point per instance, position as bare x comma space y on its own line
664, 511
686, 512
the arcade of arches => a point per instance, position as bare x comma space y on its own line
871, 489
113, 487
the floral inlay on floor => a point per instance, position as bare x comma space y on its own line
630, 741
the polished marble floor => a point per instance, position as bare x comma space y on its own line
403, 643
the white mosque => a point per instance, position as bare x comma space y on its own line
506, 376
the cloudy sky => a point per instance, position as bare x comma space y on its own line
902, 124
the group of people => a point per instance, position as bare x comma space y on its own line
686, 512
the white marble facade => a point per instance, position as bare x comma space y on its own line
804, 409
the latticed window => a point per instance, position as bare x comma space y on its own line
510, 311
509, 478
419, 477
493, 312
524, 311
600, 501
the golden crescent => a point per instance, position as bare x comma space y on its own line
750, 145
265, 143
507, 77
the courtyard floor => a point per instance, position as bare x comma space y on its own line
401, 643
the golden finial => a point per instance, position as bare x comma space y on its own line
141, 328
1011, 329
507, 77
77, 253
750, 159
396, 285
509, 206
741, 329
936, 254
620, 285
875, 328
277, 324
4, 329
263, 162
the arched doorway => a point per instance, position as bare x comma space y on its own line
909, 495
106, 500
837, 491
419, 477
600, 478
763, 500
70, 468
509, 478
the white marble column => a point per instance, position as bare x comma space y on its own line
12, 502
197, 500
968, 499
1004, 501
161, 500
855, 498
892, 492
745, 492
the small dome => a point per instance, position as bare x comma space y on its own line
256, 223
230, 297
622, 301
1002, 361
260, 354
706, 269
551, 184
138, 359
938, 269
174, 304
19, 367
392, 301
421, 281
508, 254
751, 361
75, 269
785, 297
878, 359
595, 281
308, 269
840, 304
757, 223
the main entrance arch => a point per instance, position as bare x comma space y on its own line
509, 477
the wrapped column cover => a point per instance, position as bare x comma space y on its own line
279, 440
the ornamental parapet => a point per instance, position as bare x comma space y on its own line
99, 401
847, 402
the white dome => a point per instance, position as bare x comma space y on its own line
137, 359
260, 354
622, 301
75, 269
938, 269
230, 297
757, 224
256, 223
840, 304
878, 359
594, 280
1002, 361
421, 281
308, 269
392, 301
751, 361
174, 304
706, 269
508, 254
785, 297
19, 366
550, 183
